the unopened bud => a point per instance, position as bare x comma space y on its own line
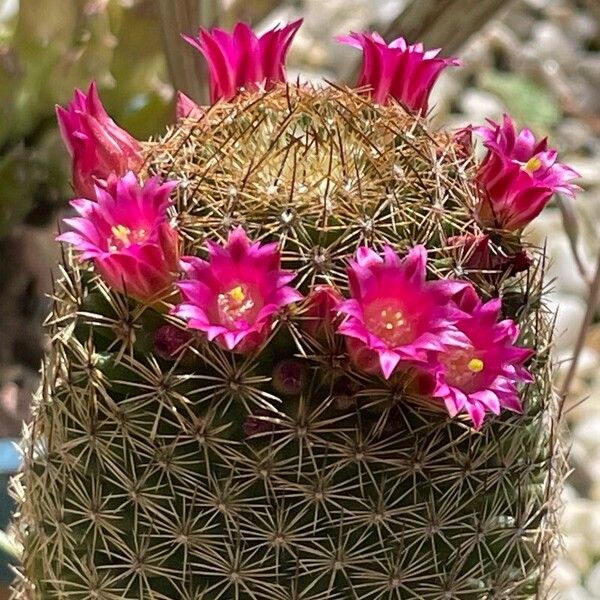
289, 377
170, 341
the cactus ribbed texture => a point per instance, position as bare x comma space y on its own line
201, 479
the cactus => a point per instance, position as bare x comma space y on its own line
168, 462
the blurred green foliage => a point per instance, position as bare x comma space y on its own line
526, 100
49, 47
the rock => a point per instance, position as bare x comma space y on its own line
588, 169
387, 10
539, 4
543, 227
587, 433
570, 311
447, 88
479, 105
548, 40
593, 526
592, 582
573, 135
565, 575
586, 371
583, 401
576, 593
594, 492
561, 267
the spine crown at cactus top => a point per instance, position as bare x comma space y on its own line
299, 348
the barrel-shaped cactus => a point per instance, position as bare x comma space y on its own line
302, 353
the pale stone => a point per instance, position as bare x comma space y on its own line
570, 311
576, 593
564, 575
587, 433
592, 582
480, 105
562, 268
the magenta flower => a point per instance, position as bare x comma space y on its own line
395, 314
406, 73
243, 59
234, 296
98, 146
127, 236
186, 108
481, 374
518, 176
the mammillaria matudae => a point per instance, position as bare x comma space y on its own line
310, 403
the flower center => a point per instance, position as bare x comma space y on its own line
462, 368
234, 304
123, 237
533, 164
387, 321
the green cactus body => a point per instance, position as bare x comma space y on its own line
203, 477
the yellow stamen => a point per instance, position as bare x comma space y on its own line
475, 365
121, 233
237, 294
533, 164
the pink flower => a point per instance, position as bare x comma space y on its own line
243, 59
398, 70
98, 146
395, 314
234, 296
518, 176
128, 237
481, 374
186, 108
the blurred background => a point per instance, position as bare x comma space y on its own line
537, 59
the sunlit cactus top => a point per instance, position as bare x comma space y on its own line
392, 316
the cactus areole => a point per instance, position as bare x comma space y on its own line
298, 349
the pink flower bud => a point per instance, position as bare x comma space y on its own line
98, 146
170, 341
187, 109
474, 252
289, 377
259, 423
